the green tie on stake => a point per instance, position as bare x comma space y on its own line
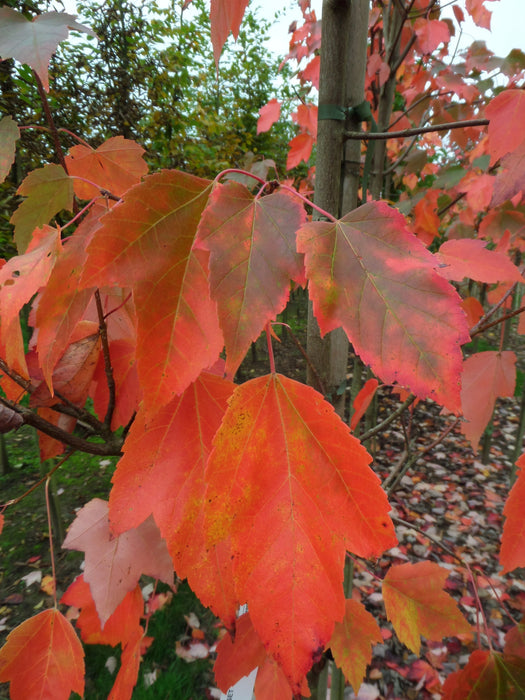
360, 113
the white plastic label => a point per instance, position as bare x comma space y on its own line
243, 689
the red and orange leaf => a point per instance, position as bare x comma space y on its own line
73, 374
306, 117
174, 447
252, 260
426, 221
168, 482
128, 672
115, 564
43, 658
311, 72
268, 115
512, 554
352, 642
370, 275
300, 149
50, 447
505, 130
478, 188
417, 605
127, 387
515, 641
473, 310
486, 376
468, 257
431, 33
362, 401
292, 487
225, 17
120, 626
487, 676
61, 304
48, 191
115, 166
34, 42
272, 684
2, 519
146, 243
23, 275
238, 657
510, 181
479, 13
9, 135
20, 279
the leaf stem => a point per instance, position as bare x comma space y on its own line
326, 215
103, 192
240, 172
79, 214
270, 348
51, 547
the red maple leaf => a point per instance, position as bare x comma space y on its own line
268, 115
115, 166
486, 376
252, 250
512, 554
43, 658
115, 564
352, 642
417, 605
225, 17
278, 447
146, 244
370, 275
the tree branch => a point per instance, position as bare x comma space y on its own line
371, 135
113, 446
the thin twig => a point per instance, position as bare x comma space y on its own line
380, 426
320, 385
14, 501
52, 126
400, 521
381, 135
15, 377
511, 314
394, 478
491, 311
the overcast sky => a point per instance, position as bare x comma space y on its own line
508, 24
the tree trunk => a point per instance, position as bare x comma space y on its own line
341, 84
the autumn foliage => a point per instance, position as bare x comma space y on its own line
257, 492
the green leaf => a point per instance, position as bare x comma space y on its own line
48, 191
9, 135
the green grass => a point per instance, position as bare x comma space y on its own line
24, 547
